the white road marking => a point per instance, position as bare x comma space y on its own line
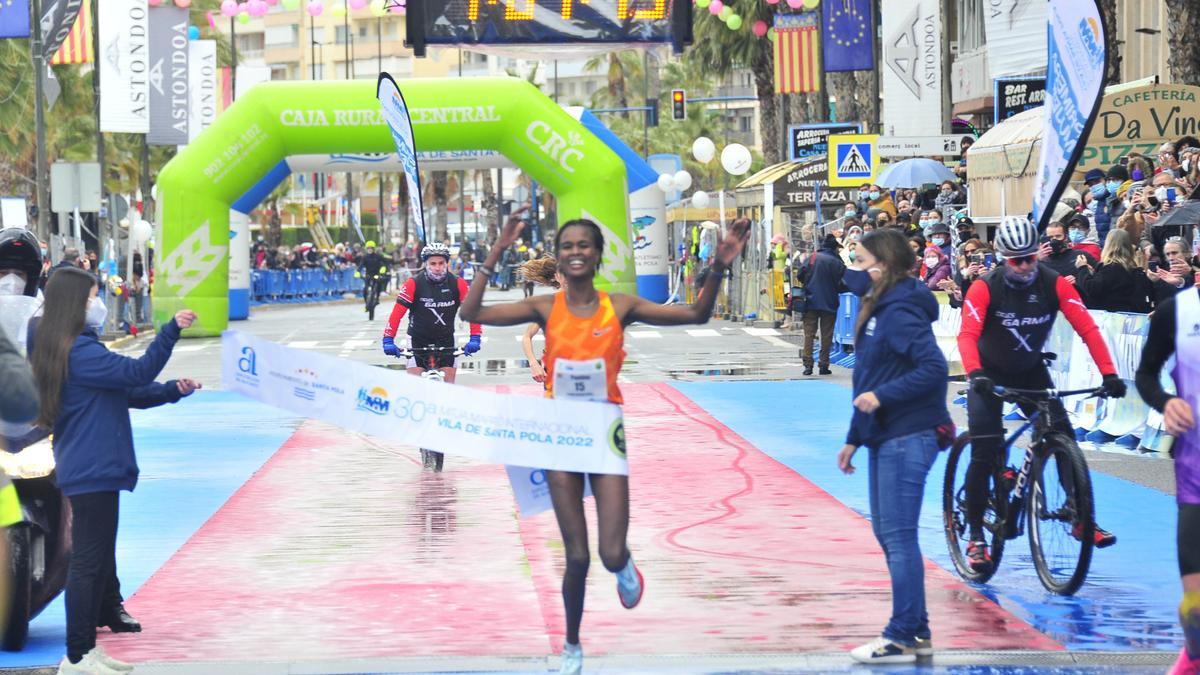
355, 344
643, 333
760, 332
778, 342
537, 337
187, 348
704, 332
302, 344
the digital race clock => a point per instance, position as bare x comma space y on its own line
548, 22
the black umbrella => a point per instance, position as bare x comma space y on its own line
1187, 214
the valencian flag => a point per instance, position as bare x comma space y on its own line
797, 53
848, 35
77, 48
14, 18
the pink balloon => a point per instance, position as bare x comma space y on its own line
795, 4
315, 7
760, 28
358, 4
154, 3
272, 3
772, 2
229, 8
715, 7
183, 4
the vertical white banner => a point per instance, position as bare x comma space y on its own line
124, 62
1074, 87
648, 214
248, 76
202, 85
1016, 37
912, 70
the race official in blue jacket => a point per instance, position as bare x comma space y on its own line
86, 392
899, 415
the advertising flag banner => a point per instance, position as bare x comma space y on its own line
124, 67
202, 86
57, 19
1074, 88
168, 75
395, 113
848, 35
14, 19
77, 48
1016, 41
797, 53
912, 70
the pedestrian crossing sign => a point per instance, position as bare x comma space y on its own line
854, 160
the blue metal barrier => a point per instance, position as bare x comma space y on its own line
310, 285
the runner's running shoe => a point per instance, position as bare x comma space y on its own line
1104, 538
883, 650
572, 660
630, 585
978, 557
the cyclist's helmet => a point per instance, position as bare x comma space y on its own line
1016, 237
433, 249
371, 244
20, 250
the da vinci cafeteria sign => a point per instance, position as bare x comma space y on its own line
1139, 120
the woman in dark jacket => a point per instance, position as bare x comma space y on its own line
1118, 284
899, 389
86, 392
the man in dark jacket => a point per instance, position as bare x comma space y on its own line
1057, 253
821, 276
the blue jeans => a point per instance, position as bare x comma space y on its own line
896, 478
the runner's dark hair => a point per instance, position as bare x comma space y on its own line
62, 321
540, 271
593, 229
890, 248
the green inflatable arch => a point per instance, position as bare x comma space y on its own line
278, 119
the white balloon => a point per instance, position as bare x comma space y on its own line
665, 182
700, 199
142, 231
736, 159
703, 149
682, 180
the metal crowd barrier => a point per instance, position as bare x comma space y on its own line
307, 285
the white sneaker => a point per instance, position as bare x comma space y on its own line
88, 665
924, 646
108, 661
572, 660
883, 650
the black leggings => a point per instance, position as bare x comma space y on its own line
985, 421
1188, 539
612, 513
92, 567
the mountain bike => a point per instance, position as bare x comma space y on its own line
431, 460
371, 295
1052, 489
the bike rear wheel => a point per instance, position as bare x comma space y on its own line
432, 460
954, 512
1061, 515
372, 299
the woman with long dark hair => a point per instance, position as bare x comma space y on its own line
900, 413
86, 392
585, 345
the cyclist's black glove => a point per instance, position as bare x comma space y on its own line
981, 384
1113, 386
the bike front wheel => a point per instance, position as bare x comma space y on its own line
1061, 515
954, 512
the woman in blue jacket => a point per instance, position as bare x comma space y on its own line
86, 392
899, 387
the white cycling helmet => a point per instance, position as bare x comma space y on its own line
435, 248
1016, 237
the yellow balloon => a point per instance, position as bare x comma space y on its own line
811, 4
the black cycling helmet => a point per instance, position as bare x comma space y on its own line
21, 250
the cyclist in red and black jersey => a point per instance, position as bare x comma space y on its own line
1006, 319
433, 295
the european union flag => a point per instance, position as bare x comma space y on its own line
14, 18
847, 35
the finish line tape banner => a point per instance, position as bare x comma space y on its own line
521, 431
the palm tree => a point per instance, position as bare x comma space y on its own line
624, 73
1183, 25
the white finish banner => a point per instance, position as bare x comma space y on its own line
460, 421
912, 74
1016, 37
648, 220
202, 85
124, 62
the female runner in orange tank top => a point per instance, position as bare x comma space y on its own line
585, 326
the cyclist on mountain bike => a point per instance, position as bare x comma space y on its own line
374, 267
1006, 318
434, 296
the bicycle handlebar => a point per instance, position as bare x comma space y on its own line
1011, 392
409, 352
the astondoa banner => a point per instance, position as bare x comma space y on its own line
124, 65
202, 86
521, 431
1074, 86
1016, 37
57, 19
912, 73
168, 75
395, 113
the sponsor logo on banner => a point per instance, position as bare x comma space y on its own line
616, 438
373, 400
565, 151
395, 114
124, 66
190, 263
912, 80
456, 115
202, 79
168, 76
247, 367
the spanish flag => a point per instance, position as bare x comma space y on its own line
77, 48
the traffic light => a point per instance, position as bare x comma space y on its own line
678, 105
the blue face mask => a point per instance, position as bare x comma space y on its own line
874, 195
850, 213
939, 241
1098, 190
858, 282
1113, 186
1076, 236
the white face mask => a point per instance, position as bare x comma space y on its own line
12, 284
97, 313
931, 262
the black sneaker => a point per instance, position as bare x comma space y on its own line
808, 370
978, 557
825, 371
883, 650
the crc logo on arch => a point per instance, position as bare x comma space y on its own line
373, 400
564, 150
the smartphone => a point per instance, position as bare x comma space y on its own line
1123, 161
1153, 265
1170, 195
988, 259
